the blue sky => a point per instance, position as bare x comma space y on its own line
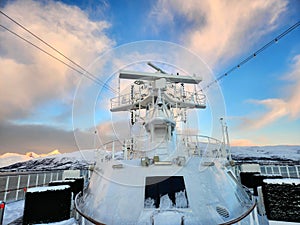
37, 92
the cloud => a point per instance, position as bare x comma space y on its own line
218, 30
36, 138
33, 83
241, 142
277, 108
30, 77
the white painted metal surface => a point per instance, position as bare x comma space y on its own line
118, 188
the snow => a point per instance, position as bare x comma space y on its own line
11, 158
84, 158
60, 181
18, 162
180, 200
263, 153
149, 203
13, 211
165, 202
271, 222
75, 160
282, 181
70, 221
168, 218
52, 188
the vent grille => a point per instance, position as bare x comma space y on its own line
222, 211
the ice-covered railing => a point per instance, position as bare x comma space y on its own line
201, 145
172, 95
186, 96
130, 98
186, 144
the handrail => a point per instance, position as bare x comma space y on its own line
136, 148
240, 217
201, 136
84, 215
21, 188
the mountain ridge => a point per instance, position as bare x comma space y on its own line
280, 154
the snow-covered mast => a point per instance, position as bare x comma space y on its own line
156, 100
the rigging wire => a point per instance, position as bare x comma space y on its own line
100, 82
89, 76
49, 54
275, 40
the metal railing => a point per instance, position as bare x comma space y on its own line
191, 144
13, 186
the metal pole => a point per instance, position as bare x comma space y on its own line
6, 188
2, 209
44, 181
28, 181
37, 180
113, 150
18, 186
228, 143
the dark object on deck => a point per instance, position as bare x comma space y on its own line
47, 204
79, 184
258, 180
247, 179
71, 183
282, 199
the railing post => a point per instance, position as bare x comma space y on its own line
27, 186
113, 150
37, 180
297, 171
18, 186
44, 181
256, 216
2, 208
28, 181
6, 188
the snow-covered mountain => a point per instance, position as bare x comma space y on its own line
75, 160
287, 154
82, 159
11, 158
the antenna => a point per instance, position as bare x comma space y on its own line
156, 68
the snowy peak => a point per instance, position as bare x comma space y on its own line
51, 161
54, 152
32, 155
11, 158
35, 155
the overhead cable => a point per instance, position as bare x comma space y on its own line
85, 73
275, 40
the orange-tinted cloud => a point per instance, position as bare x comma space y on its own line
241, 142
30, 77
276, 108
219, 30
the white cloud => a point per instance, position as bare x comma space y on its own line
277, 108
218, 30
30, 77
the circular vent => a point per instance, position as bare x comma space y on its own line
222, 211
